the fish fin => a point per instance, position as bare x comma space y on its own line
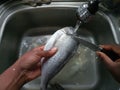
56, 87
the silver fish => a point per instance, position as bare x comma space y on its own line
66, 46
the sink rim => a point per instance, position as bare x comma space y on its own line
5, 16
57, 6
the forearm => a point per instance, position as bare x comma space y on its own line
25, 69
13, 78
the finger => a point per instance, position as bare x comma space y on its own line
107, 47
114, 48
39, 68
46, 53
43, 60
52, 51
108, 62
39, 48
34, 74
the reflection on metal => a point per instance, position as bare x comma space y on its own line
19, 20
37, 2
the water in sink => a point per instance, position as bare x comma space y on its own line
79, 73
29, 43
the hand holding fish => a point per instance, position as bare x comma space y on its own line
113, 66
31, 61
25, 69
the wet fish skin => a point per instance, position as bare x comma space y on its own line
66, 45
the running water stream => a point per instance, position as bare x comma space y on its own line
77, 26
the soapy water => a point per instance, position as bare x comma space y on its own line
80, 70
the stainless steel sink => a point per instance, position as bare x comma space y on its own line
22, 25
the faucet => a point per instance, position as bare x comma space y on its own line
86, 10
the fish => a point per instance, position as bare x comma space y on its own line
66, 48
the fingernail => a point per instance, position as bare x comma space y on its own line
54, 49
101, 46
97, 52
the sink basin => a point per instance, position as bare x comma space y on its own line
25, 27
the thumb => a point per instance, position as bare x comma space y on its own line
108, 62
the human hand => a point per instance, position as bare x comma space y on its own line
30, 62
113, 66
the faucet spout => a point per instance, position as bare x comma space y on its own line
87, 10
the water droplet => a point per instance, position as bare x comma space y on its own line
96, 57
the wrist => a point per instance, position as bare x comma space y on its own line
14, 76
19, 74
